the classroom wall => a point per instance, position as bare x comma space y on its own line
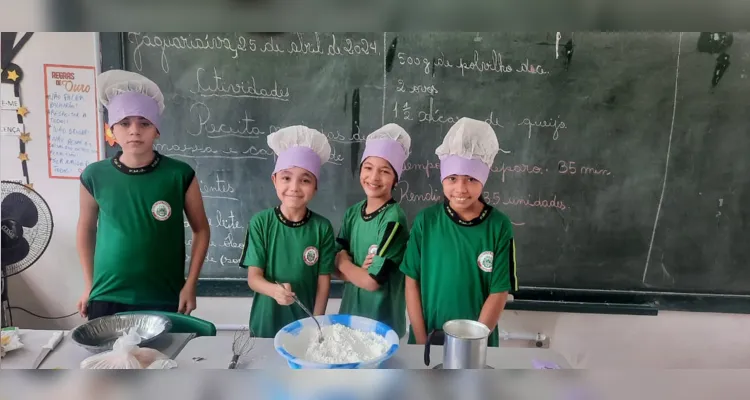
52, 286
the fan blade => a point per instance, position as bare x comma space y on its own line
19, 207
14, 254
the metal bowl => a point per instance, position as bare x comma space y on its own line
98, 335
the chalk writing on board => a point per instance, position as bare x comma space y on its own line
432, 195
427, 167
571, 168
517, 169
316, 44
476, 64
197, 151
218, 188
536, 201
426, 89
215, 86
233, 45
219, 219
550, 123
211, 259
242, 129
227, 231
72, 120
333, 136
336, 157
434, 115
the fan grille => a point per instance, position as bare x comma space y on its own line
19, 206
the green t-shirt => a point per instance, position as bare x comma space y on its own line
139, 258
458, 264
288, 252
384, 233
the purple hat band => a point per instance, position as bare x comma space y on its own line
132, 104
302, 157
388, 149
455, 165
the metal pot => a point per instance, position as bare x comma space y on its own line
464, 344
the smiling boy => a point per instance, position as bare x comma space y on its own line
289, 243
460, 259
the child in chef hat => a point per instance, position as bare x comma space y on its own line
374, 233
460, 259
289, 243
131, 210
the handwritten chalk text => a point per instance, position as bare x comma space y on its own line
475, 64
570, 168
550, 123
242, 129
215, 86
427, 89
495, 198
235, 44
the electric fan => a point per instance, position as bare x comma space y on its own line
25, 232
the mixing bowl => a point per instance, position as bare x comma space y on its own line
292, 341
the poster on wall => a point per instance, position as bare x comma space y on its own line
72, 119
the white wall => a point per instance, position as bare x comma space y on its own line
52, 286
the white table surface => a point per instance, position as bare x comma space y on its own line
215, 352
68, 355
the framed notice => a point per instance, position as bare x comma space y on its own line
72, 119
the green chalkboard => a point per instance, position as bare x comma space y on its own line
622, 167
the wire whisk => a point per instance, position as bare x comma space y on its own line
241, 345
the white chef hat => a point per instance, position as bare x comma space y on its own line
299, 146
390, 142
469, 148
128, 94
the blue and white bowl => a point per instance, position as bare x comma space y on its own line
291, 341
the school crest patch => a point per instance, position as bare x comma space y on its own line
373, 249
310, 255
161, 210
485, 260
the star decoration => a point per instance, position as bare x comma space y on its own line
25, 137
22, 111
13, 75
23, 157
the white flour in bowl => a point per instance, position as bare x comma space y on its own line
344, 345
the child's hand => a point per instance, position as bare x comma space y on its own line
283, 295
368, 261
342, 256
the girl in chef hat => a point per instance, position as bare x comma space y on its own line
131, 211
460, 259
374, 232
289, 243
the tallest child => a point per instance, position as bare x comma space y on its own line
460, 260
131, 232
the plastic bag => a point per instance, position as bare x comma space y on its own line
146, 356
166, 363
9, 340
125, 354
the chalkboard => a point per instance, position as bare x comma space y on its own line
623, 165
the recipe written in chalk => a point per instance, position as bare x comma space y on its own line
72, 120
